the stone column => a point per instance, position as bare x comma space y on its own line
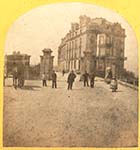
46, 63
27, 65
89, 62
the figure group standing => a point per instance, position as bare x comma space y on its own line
53, 78
18, 76
86, 77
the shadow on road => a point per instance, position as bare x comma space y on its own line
8, 86
30, 87
119, 91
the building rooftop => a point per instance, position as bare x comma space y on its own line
17, 53
46, 50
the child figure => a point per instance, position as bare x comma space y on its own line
114, 85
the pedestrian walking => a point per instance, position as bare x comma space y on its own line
54, 79
86, 78
92, 78
70, 80
44, 78
15, 77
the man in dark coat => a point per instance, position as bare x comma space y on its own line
63, 72
86, 78
15, 76
110, 74
70, 80
54, 79
21, 75
92, 77
4, 78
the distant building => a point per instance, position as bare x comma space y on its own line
22, 61
46, 62
93, 45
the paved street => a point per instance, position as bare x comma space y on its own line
84, 117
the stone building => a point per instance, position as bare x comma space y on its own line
93, 45
22, 61
46, 62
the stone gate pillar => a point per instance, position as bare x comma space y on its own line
89, 62
46, 63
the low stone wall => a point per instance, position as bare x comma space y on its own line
128, 85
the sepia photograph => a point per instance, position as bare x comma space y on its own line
70, 78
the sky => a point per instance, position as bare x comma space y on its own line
44, 26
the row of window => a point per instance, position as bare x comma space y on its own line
73, 64
103, 39
72, 54
73, 48
73, 34
110, 52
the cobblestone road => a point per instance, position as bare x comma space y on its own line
84, 117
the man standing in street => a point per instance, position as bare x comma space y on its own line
70, 80
92, 77
85, 78
63, 72
4, 78
15, 76
20, 75
44, 79
54, 79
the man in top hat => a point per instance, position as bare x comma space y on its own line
54, 79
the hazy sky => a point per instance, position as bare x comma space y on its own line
43, 27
